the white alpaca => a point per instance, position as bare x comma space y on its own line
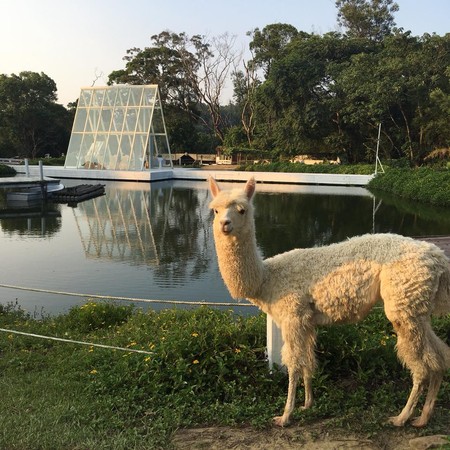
339, 283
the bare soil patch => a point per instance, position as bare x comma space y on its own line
311, 437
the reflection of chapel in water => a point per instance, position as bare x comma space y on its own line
119, 127
156, 225
118, 227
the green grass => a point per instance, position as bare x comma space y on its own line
208, 367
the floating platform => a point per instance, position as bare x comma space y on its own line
77, 194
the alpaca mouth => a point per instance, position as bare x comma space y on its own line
227, 229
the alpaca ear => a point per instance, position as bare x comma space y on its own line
250, 187
213, 187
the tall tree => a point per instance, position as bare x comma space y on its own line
371, 19
191, 71
267, 44
32, 124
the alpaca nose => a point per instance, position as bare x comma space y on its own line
225, 222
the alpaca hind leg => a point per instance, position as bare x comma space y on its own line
427, 410
407, 411
284, 420
307, 381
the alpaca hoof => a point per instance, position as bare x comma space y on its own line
418, 422
397, 421
281, 421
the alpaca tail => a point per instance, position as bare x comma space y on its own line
442, 298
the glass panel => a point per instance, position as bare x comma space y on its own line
73, 150
140, 158
110, 97
105, 120
124, 151
131, 119
122, 96
118, 117
97, 99
149, 96
88, 141
85, 97
112, 151
92, 120
157, 121
135, 96
80, 120
98, 151
144, 120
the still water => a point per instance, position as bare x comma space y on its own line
154, 241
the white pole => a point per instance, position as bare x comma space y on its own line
274, 342
41, 171
27, 168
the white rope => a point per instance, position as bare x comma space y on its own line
71, 341
128, 299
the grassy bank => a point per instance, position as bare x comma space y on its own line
207, 367
286, 166
423, 184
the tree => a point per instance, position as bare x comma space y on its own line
191, 71
370, 19
32, 124
268, 43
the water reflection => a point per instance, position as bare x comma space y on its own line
164, 227
40, 219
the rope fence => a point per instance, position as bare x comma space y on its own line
128, 299
106, 297
71, 341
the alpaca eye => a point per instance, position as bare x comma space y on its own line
216, 211
241, 211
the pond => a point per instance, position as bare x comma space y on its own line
154, 241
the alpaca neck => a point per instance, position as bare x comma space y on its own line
240, 264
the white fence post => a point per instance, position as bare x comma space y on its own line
274, 342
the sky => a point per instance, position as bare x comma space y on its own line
77, 43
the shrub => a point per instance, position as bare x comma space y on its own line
423, 184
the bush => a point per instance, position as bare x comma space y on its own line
286, 166
423, 184
7, 171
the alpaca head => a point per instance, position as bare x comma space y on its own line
233, 209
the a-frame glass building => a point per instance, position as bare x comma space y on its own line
119, 127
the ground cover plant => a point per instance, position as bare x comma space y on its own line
424, 184
206, 367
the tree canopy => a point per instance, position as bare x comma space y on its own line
31, 122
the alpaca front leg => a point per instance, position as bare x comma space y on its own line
285, 419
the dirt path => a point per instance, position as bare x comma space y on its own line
317, 437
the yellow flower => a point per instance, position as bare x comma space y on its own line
132, 344
93, 371
237, 350
196, 361
91, 349
10, 336
194, 334
146, 359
